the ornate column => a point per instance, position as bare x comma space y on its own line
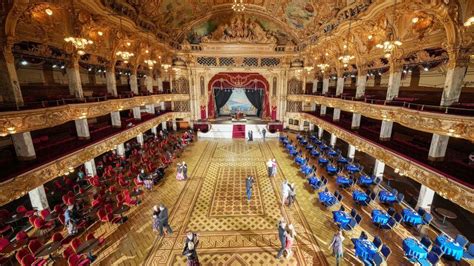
315, 86
149, 81
140, 139
360, 91
121, 150
154, 130
82, 128
320, 132
74, 77
24, 148
351, 151
116, 121
89, 166
175, 125
10, 91
324, 91
339, 89
134, 81
379, 168
38, 198
111, 80
392, 91
457, 69
311, 127
425, 198
137, 114
333, 140
163, 125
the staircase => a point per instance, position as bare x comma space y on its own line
238, 131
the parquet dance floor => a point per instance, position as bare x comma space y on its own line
212, 203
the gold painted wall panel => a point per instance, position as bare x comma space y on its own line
439, 123
28, 120
22, 184
443, 186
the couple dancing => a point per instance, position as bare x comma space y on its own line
287, 235
271, 167
182, 171
288, 193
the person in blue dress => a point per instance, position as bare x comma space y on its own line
249, 186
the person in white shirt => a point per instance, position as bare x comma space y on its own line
274, 167
269, 167
285, 191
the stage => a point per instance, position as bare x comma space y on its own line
228, 128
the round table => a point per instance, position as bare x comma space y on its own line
87, 246
48, 249
446, 214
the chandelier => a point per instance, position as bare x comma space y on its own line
150, 63
346, 57
323, 67
125, 55
238, 6
78, 43
166, 66
392, 43
308, 68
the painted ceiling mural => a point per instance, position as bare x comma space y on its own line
178, 18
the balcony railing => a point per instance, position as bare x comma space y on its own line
29, 120
460, 126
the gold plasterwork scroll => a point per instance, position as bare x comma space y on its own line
443, 186
22, 184
29, 120
438, 123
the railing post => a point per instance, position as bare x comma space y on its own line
422, 107
446, 110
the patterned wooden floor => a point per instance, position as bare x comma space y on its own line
232, 231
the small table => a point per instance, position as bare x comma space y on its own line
446, 214
48, 249
87, 246
120, 210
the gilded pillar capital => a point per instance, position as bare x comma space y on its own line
396, 64
457, 57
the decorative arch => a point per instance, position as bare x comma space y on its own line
230, 80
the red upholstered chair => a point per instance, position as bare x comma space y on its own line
75, 243
4, 215
41, 224
4, 243
58, 237
34, 245
123, 183
44, 213
6, 230
128, 199
76, 260
29, 260
58, 208
120, 199
68, 251
70, 194
104, 216
65, 199
32, 219
62, 219
101, 239
21, 254
22, 210
22, 235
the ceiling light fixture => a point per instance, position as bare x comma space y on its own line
78, 42
469, 22
346, 57
392, 43
100, 33
415, 20
238, 6
24, 62
48, 11
124, 55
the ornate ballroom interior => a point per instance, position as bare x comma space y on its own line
367, 107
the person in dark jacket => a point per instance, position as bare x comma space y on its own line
190, 244
282, 237
163, 220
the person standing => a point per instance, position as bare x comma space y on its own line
290, 238
190, 244
185, 170
284, 192
281, 236
163, 220
337, 247
269, 167
291, 194
179, 172
264, 132
155, 222
249, 135
249, 186
274, 168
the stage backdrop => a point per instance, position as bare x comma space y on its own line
238, 102
254, 85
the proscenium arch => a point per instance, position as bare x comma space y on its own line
248, 78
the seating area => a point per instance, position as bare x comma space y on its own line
33, 237
386, 207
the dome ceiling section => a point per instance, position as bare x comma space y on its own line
174, 19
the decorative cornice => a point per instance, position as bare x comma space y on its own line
22, 184
438, 123
445, 187
28, 120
